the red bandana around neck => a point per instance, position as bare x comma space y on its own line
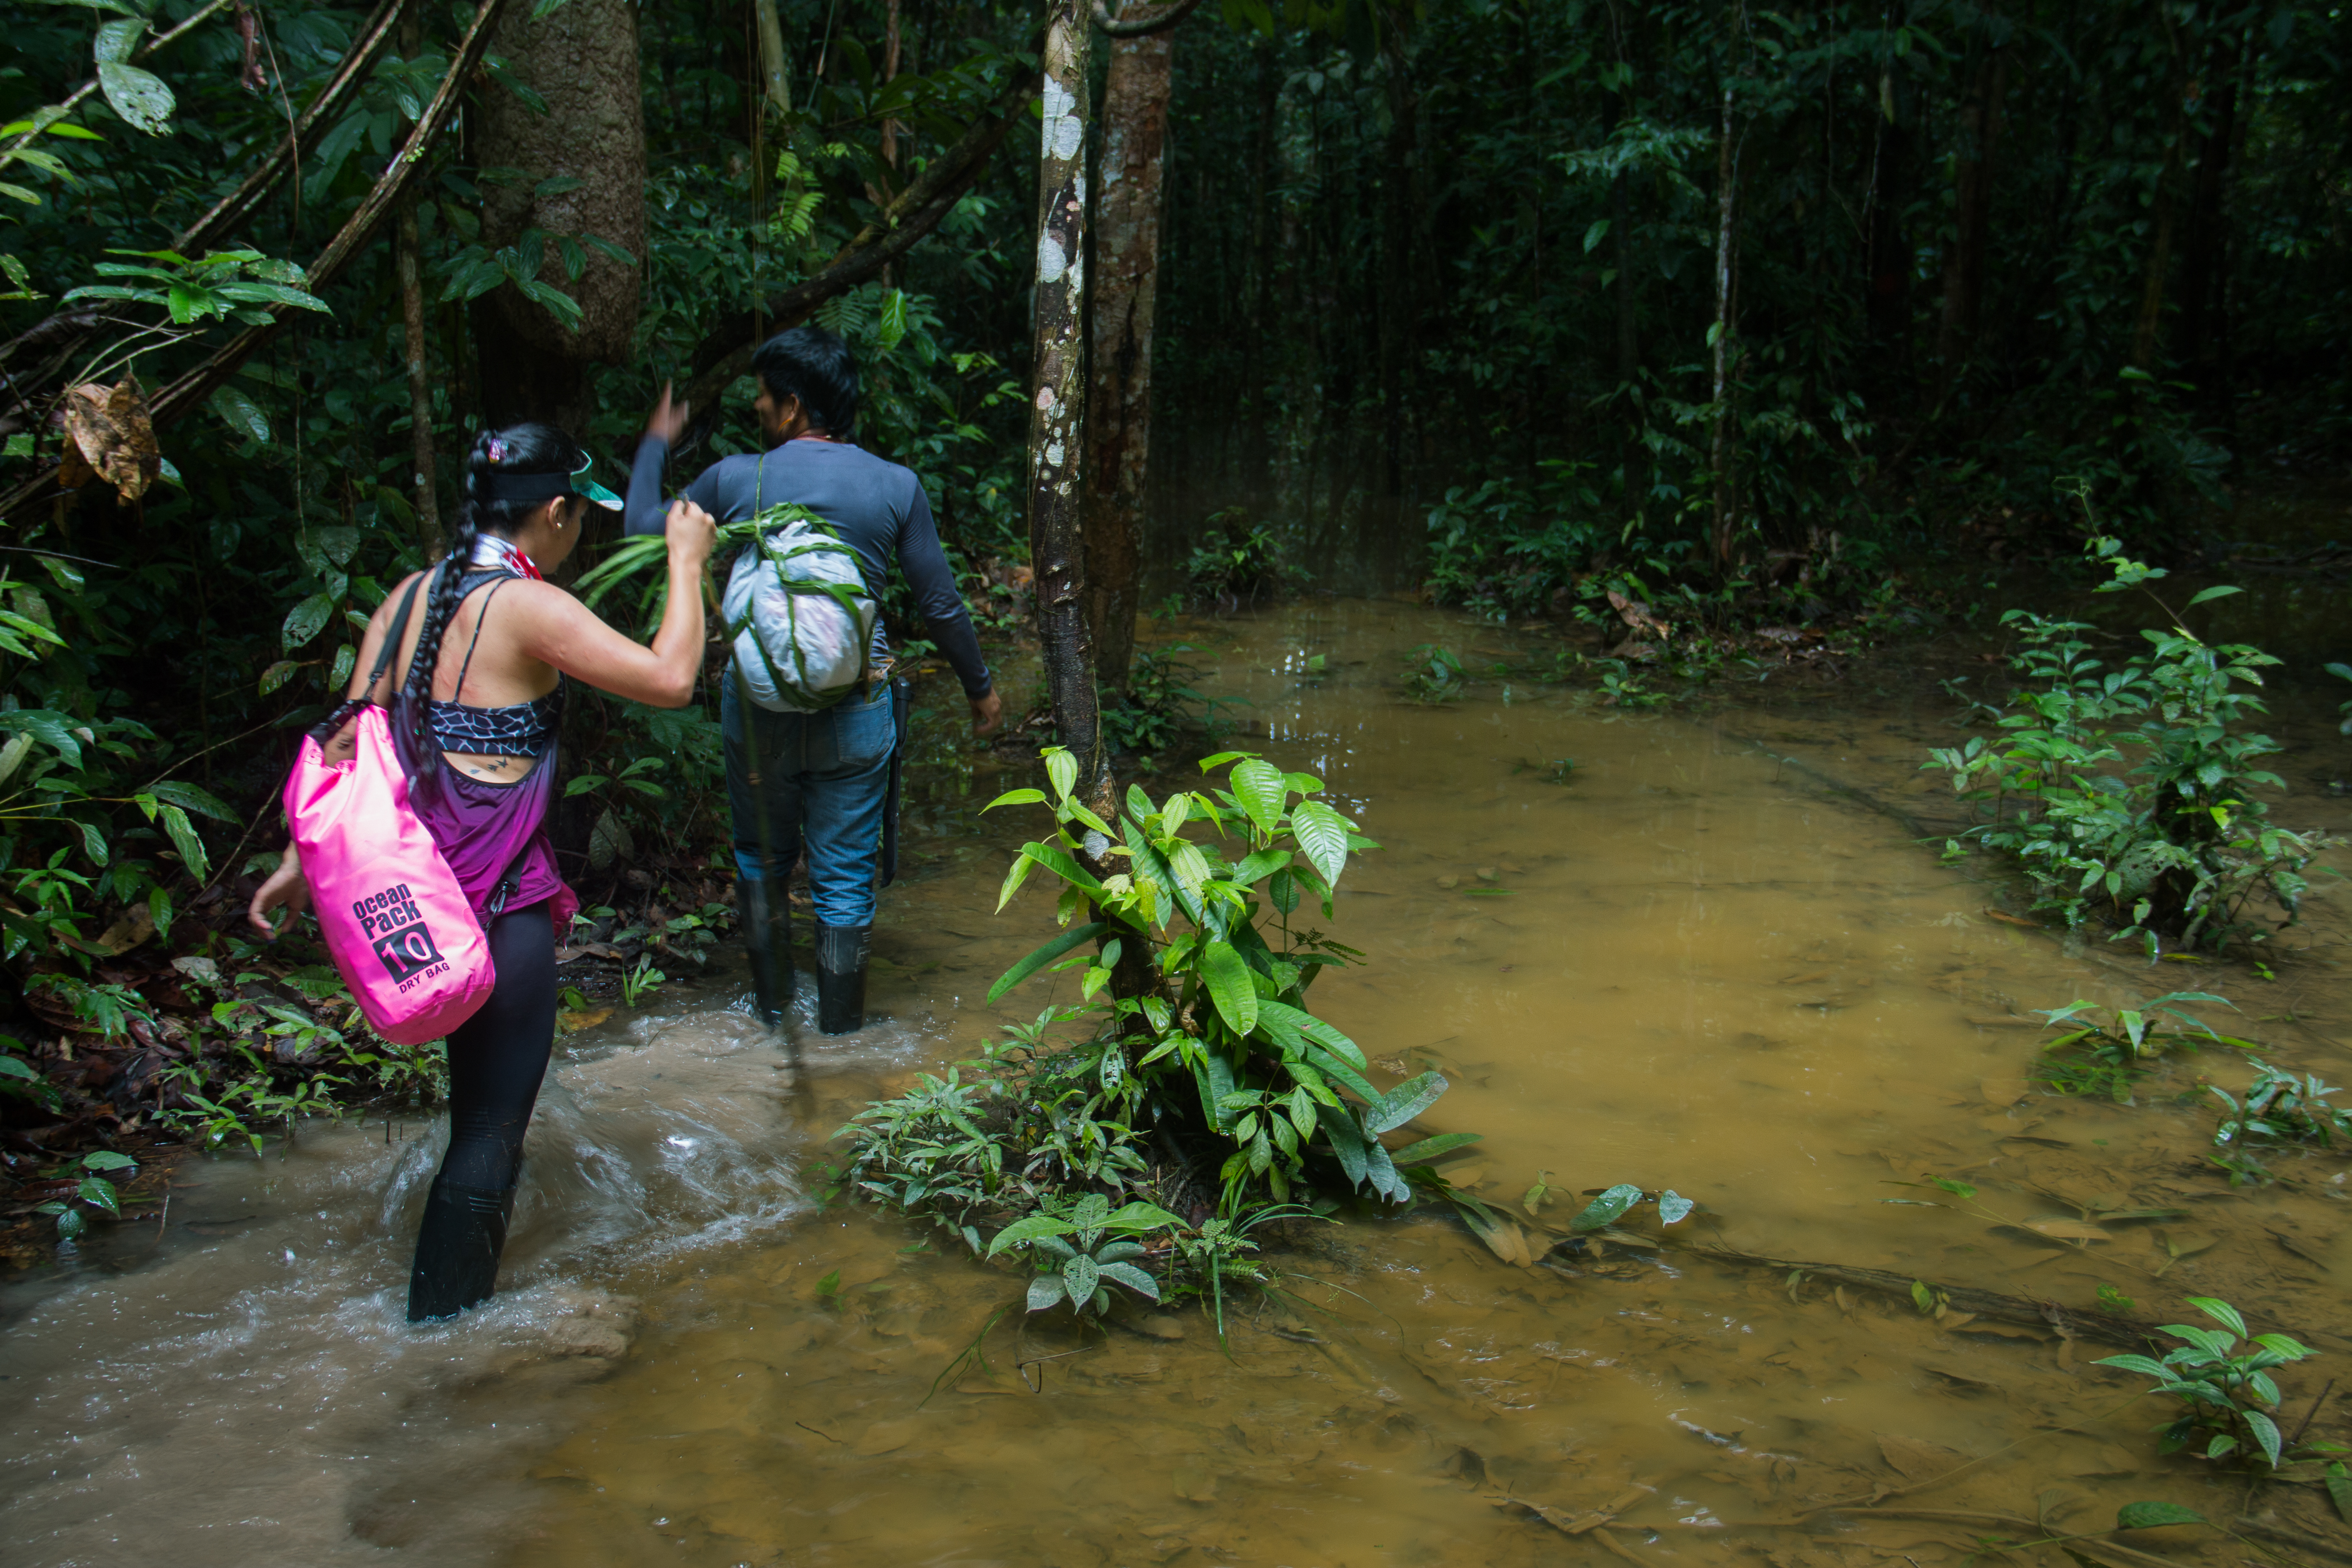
491, 552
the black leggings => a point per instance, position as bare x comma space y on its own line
498, 1056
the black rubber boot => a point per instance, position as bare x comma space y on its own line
840, 978
768, 938
458, 1249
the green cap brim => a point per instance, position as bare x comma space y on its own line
589, 489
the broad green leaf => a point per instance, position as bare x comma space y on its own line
2147, 1366
307, 620
1405, 1101
1260, 788
1075, 937
1259, 866
1015, 875
1340, 1073
1227, 977
1134, 1278
1347, 1140
1062, 769
1017, 797
276, 675
2218, 592
240, 413
2221, 1313
1673, 1207
1063, 864
100, 1192
1044, 1292
1139, 1216
2155, 1515
1431, 1148
1081, 1276
1607, 1208
1021, 1231
106, 1160
140, 96
203, 802
2266, 1434
1322, 833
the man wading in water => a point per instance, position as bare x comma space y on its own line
817, 778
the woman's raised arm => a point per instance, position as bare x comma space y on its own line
557, 628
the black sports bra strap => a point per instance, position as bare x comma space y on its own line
458, 692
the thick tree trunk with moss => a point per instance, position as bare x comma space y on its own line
587, 153
1127, 263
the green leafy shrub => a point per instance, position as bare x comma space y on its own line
2223, 1391
2109, 1056
1240, 561
2128, 794
2281, 1107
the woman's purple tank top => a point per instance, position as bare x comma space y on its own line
491, 834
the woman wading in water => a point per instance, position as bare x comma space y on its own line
477, 737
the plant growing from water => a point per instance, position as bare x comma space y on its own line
2127, 793
1434, 674
2281, 1107
93, 1188
1082, 1249
2224, 1391
2108, 1055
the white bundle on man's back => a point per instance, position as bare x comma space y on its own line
800, 614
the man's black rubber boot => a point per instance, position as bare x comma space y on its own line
458, 1249
768, 938
840, 978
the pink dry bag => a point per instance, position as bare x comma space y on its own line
397, 924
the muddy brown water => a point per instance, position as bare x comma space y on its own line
1688, 960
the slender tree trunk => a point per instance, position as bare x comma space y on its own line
1887, 305
1118, 424
412, 320
1726, 215
1980, 127
1057, 406
775, 78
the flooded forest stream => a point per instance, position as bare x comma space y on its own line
1699, 948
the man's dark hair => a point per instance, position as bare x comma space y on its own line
814, 365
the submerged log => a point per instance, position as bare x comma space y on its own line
2067, 1322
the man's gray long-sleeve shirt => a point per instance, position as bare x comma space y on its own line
877, 507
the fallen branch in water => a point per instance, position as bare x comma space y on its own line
2065, 1321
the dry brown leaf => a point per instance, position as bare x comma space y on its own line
113, 435
1917, 1461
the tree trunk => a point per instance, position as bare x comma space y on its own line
1980, 127
582, 59
1127, 263
412, 320
1726, 212
1887, 305
1057, 406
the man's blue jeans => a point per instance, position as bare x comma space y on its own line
818, 775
